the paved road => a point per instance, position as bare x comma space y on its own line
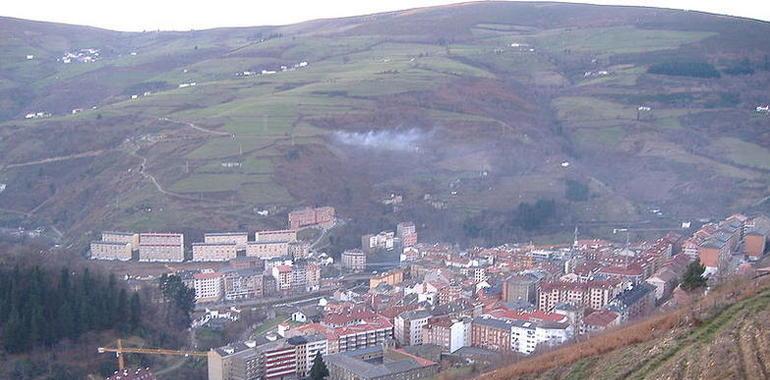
266, 301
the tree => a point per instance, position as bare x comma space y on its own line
319, 370
693, 277
135, 313
179, 297
576, 191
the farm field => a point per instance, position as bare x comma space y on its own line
210, 125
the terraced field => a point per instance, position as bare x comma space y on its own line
510, 90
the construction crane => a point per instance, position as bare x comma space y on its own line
120, 351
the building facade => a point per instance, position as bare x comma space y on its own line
354, 260
220, 251
267, 249
105, 250
162, 247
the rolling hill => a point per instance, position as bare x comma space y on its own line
720, 336
482, 106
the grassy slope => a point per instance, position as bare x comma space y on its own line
722, 336
489, 104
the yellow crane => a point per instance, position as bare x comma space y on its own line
119, 351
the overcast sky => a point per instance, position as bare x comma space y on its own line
137, 15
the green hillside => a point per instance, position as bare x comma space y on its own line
513, 89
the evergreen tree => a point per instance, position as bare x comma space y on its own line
693, 277
37, 309
319, 370
135, 313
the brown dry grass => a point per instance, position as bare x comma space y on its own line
654, 327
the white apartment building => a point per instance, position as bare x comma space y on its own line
267, 249
526, 336
122, 237
105, 250
208, 286
223, 251
239, 238
276, 235
165, 247
408, 327
460, 333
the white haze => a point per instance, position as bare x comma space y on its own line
391, 140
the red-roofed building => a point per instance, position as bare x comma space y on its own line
599, 320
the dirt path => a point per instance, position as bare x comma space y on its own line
197, 127
92, 153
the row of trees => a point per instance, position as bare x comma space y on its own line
685, 69
498, 227
40, 308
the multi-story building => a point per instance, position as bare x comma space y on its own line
277, 361
299, 250
521, 287
354, 260
408, 327
105, 250
307, 347
379, 363
449, 294
321, 216
592, 294
714, 253
392, 278
239, 284
311, 271
635, 302
208, 286
238, 238
284, 278
237, 361
165, 247
599, 320
450, 334
374, 331
407, 233
755, 243
224, 251
267, 249
288, 236
526, 336
492, 334
385, 240
122, 237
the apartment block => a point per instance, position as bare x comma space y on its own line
238, 238
242, 284
408, 327
165, 247
122, 237
299, 250
104, 250
491, 334
392, 278
592, 294
407, 233
276, 235
267, 249
451, 334
221, 251
208, 286
321, 216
